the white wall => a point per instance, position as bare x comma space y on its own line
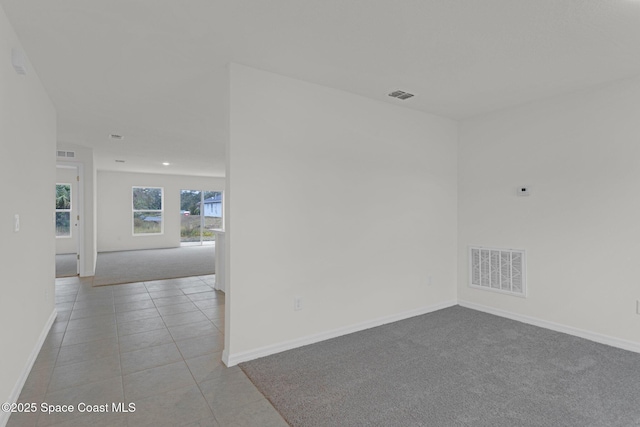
115, 219
308, 169
27, 268
581, 156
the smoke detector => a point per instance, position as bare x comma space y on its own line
400, 94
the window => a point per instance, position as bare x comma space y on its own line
147, 210
200, 214
63, 210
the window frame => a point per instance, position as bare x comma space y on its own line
134, 211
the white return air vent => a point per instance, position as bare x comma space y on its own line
500, 270
66, 154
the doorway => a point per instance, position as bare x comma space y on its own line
67, 219
200, 214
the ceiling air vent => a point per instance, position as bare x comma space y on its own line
67, 154
116, 137
400, 94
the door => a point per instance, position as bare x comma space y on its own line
66, 219
200, 214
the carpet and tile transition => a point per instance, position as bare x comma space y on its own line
453, 367
66, 265
114, 268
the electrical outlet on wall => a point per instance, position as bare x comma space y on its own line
297, 303
638, 306
16, 223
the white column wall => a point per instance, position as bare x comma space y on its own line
344, 201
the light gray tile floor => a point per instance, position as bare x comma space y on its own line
157, 345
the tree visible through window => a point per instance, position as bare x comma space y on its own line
147, 210
63, 210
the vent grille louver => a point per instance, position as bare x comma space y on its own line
501, 270
400, 94
67, 154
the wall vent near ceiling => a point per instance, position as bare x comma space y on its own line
66, 154
401, 94
499, 270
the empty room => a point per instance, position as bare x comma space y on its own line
411, 213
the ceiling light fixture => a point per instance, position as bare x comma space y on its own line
166, 163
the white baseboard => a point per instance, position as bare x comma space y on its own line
17, 389
225, 357
244, 356
591, 336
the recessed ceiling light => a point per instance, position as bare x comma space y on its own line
116, 137
166, 163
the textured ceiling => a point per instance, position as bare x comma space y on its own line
155, 70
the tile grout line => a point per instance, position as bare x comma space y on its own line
187, 365
55, 361
124, 397
197, 383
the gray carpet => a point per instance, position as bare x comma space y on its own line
453, 367
114, 268
66, 265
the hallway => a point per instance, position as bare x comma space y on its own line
155, 344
